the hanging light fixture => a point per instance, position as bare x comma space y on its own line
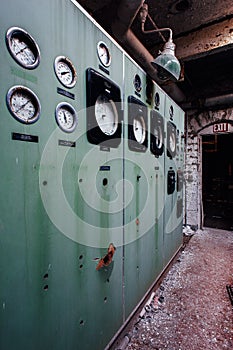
167, 65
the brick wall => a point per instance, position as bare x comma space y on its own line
196, 124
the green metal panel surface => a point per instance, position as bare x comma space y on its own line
159, 178
142, 251
54, 203
172, 222
65, 199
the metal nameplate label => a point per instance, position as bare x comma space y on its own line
65, 93
24, 137
105, 168
66, 143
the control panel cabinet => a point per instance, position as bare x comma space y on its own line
158, 150
61, 178
173, 172
144, 182
91, 179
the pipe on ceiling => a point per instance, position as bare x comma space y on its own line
223, 100
126, 12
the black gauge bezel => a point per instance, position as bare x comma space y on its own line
171, 133
157, 138
171, 112
136, 109
171, 181
157, 100
137, 82
97, 84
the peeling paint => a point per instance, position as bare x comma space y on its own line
205, 39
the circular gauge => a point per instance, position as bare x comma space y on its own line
171, 112
157, 100
137, 83
172, 142
23, 104
65, 71
66, 117
103, 54
106, 115
139, 129
158, 133
23, 48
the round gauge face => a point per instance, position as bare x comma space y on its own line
172, 142
106, 115
103, 54
65, 71
23, 48
171, 112
139, 129
66, 117
137, 83
157, 99
158, 133
23, 104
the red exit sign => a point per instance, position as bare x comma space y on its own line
221, 127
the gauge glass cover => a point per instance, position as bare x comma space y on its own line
137, 83
171, 112
66, 117
23, 47
172, 142
158, 136
139, 129
23, 104
103, 54
65, 71
157, 100
106, 115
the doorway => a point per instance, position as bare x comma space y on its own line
217, 180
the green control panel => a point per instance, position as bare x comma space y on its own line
91, 179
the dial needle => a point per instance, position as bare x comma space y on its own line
22, 50
22, 106
65, 117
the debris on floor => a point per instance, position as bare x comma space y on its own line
191, 308
230, 292
188, 231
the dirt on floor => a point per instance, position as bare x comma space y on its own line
191, 310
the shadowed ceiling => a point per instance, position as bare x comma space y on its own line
203, 34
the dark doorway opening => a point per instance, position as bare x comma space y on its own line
217, 180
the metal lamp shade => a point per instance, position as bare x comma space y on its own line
168, 66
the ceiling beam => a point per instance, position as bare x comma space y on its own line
201, 42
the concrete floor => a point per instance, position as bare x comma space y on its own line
191, 310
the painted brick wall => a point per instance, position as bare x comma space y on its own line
192, 183
196, 124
